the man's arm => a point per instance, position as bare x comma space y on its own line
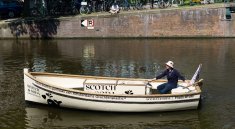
162, 74
180, 76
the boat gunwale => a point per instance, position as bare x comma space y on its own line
30, 75
86, 76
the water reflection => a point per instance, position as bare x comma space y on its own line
41, 117
89, 51
120, 58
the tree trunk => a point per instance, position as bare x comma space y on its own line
26, 8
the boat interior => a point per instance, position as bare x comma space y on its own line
110, 85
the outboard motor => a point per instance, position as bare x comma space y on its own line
148, 89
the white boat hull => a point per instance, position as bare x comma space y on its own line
40, 92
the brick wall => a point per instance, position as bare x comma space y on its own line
200, 22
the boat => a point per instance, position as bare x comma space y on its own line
109, 94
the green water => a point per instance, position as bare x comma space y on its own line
118, 58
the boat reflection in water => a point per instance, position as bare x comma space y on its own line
41, 116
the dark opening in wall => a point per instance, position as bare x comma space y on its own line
228, 14
232, 9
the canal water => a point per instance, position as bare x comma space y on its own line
118, 58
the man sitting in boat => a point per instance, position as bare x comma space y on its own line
172, 76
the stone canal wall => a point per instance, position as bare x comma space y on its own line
185, 22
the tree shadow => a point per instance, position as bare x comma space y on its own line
34, 28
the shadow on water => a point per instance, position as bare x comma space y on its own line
34, 27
